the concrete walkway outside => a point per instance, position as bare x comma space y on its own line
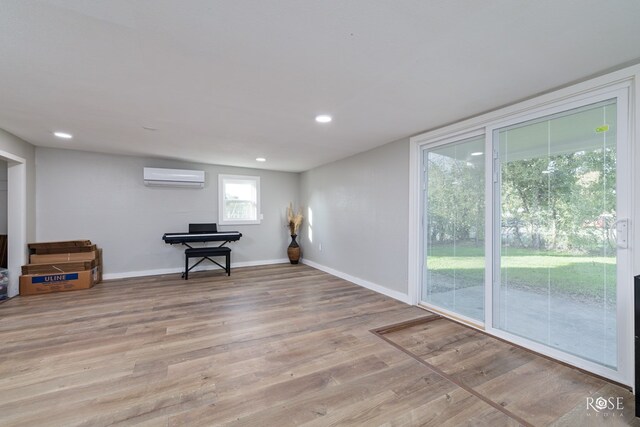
584, 329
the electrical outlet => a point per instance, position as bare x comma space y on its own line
320, 247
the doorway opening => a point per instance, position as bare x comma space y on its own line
16, 214
4, 271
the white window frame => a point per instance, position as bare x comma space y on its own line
221, 200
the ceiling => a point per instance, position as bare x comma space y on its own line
224, 82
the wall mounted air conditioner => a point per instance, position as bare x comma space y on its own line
173, 178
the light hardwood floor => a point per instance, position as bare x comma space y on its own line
529, 387
277, 345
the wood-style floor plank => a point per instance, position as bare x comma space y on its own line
163, 351
536, 389
276, 345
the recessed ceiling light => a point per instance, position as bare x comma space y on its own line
63, 135
323, 118
260, 159
477, 153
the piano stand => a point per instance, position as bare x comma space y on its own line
203, 233
206, 253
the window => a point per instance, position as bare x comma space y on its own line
238, 199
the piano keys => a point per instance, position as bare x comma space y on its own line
201, 233
181, 238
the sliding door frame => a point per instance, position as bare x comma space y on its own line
476, 133
621, 85
624, 340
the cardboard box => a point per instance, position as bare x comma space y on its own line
99, 265
60, 247
51, 258
65, 257
61, 244
58, 267
33, 284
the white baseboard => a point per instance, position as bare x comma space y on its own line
360, 282
173, 270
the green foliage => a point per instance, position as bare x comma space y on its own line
563, 202
455, 200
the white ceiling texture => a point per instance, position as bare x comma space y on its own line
224, 82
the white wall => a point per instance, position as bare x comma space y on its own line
19, 148
3, 197
82, 195
359, 209
20, 157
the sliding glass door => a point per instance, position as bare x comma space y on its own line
453, 196
551, 192
556, 244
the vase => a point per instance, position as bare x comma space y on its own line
293, 251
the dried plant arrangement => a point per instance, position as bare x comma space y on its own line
294, 220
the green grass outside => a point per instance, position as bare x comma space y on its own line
526, 268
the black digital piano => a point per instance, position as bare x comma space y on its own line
204, 233
201, 233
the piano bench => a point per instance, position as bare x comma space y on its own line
206, 253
